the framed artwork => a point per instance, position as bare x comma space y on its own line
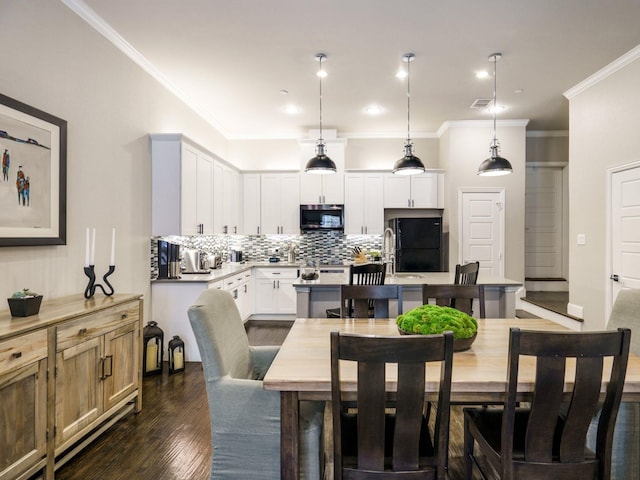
33, 187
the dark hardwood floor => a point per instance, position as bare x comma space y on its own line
170, 438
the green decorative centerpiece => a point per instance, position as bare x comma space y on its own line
24, 303
435, 319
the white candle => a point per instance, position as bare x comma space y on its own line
92, 260
86, 250
112, 260
178, 360
152, 357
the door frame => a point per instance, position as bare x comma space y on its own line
608, 283
493, 190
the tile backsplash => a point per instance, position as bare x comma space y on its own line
323, 247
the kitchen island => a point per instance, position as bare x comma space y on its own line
314, 297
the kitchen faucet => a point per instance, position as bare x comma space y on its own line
388, 247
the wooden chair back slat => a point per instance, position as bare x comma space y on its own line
361, 298
445, 294
467, 274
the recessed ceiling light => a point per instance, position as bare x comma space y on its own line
284, 92
292, 109
481, 74
401, 74
519, 90
322, 73
497, 109
373, 110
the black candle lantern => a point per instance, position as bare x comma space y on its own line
176, 355
153, 338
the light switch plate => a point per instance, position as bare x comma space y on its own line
581, 239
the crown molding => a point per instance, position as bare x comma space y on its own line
103, 28
481, 124
618, 64
547, 133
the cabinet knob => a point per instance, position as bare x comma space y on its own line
123, 316
16, 354
82, 331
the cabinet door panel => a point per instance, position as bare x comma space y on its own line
290, 203
353, 204
204, 194
270, 203
120, 364
78, 389
424, 190
373, 204
189, 199
286, 296
397, 191
23, 401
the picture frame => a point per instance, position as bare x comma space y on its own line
33, 175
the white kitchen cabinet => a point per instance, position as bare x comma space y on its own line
182, 187
323, 189
226, 199
280, 203
251, 204
275, 293
414, 191
239, 285
363, 205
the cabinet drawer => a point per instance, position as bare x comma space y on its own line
276, 273
23, 350
95, 324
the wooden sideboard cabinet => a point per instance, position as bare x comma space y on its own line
66, 375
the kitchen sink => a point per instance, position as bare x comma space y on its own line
409, 275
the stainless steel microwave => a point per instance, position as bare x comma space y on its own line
321, 217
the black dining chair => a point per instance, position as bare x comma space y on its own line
365, 274
357, 300
376, 439
548, 438
464, 295
467, 274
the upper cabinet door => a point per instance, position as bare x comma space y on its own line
424, 190
251, 204
322, 189
397, 191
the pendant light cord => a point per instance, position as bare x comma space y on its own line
320, 58
409, 58
495, 99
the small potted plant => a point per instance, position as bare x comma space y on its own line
434, 319
24, 303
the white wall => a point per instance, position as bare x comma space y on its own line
464, 146
360, 153
51, 59
603, 133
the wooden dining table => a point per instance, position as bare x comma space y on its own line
302, 369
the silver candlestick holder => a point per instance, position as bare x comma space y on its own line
92, 285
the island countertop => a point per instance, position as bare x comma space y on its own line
406, 278
314, 297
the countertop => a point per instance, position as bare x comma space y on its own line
405, 278
221, 273
332, 279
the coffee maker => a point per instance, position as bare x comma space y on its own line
168, 260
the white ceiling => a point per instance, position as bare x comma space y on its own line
229, 59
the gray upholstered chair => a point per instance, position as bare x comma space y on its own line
626, 314
245, 418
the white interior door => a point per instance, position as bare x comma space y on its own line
543, 223
624, 230
481, 229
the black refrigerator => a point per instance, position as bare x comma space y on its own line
418, 244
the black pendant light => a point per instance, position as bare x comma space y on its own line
320, 164
409, 164
495, 165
